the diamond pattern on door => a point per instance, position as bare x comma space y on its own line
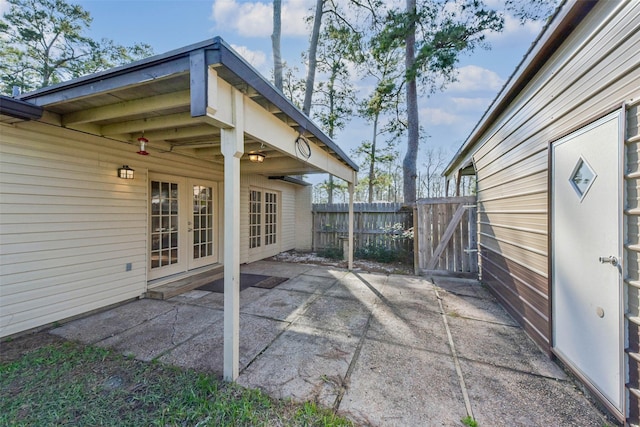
582, 178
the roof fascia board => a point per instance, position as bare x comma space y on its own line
19, 109
567, 17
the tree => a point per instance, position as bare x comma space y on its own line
431, 181
434, 34
275, 44
42, 43
531, 10
313, 47
337, 47
385, 98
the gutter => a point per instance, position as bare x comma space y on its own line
19, 109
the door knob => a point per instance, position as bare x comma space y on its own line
608, 260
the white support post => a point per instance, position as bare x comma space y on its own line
351, 186
232, 146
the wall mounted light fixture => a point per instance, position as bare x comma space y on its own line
125, 172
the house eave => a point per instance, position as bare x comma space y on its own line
19, 109
217, 53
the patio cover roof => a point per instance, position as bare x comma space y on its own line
206, 102
168, 98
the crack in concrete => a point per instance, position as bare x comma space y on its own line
456, 361
356, 354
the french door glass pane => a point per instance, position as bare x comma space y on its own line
255, 219
270, 218
202, 221
164, 223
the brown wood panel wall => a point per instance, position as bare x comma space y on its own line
375, 225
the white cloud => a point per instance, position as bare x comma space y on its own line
471, 104
255, 18
257, 58
474, 78
438, 116
514, 32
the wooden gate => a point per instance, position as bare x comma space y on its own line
445, 235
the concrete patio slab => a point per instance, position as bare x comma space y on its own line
278, 269
327, 272
460, 286
500, 345
372, 346
422, 329
486, 310
506, 398
336, 314
309, 283
204, 352
151, 339
280, 304
105, 324
394, 385
351, 287
304, 363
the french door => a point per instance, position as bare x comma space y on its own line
263, 221
182, 224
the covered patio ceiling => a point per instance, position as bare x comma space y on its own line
164, 99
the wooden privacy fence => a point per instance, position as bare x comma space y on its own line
382, 225
445, 231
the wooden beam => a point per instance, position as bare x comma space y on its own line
148, 124
184, 132
232, 149
128, 108
285, 165
263, 126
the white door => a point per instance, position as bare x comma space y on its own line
264, 223
586, 249
182, 225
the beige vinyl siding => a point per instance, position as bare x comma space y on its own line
590, 74
69, 226
632, 256
286, 237
303, 218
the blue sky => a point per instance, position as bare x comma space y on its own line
447, 117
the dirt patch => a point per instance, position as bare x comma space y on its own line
13, 349
358, 264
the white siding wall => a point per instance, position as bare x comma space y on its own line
304, 218
69, 226
595, 70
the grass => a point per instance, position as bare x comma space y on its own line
469, 421
66, 383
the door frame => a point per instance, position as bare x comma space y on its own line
258, 253
185, 229
620, 113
